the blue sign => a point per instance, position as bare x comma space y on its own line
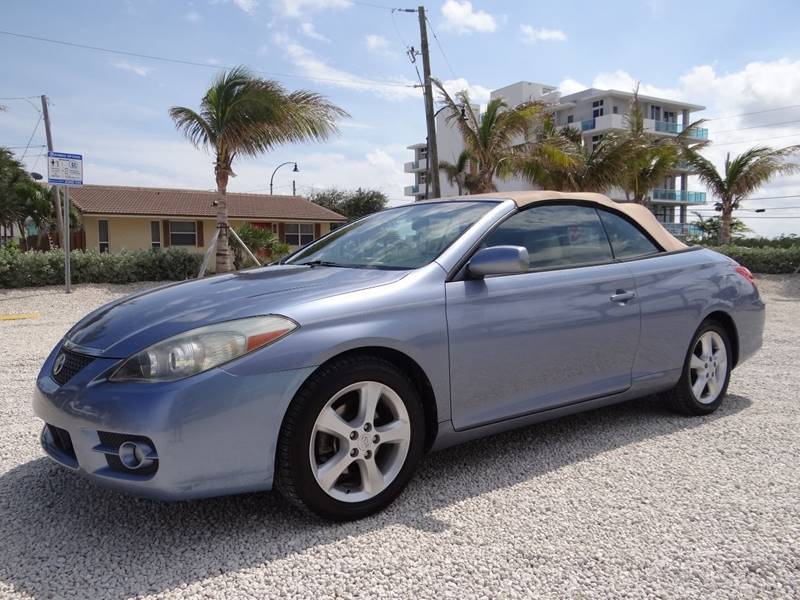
64, 169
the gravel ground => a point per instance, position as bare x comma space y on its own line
625, 502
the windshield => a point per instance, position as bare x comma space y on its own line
406, 237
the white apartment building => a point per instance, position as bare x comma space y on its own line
593, 112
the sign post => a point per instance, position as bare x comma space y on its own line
65, 170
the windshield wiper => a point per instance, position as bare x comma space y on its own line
320, 263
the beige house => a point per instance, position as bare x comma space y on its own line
119, 217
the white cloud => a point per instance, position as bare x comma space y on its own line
307, 29
531, 35
297, 8
192, 16
462, 18
477, 93
312, 66
248, 6
376, 43
137, 69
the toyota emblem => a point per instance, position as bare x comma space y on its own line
59, 364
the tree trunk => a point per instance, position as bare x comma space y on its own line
223, 251
725, 223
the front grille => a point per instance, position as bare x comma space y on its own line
114, 441
72, 363
61, 440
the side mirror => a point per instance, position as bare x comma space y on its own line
499, 260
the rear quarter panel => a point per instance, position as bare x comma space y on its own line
677, 292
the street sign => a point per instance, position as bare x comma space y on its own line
64, 169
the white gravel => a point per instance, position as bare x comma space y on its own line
626, 502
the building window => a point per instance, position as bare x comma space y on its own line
655, 112
615, 109
182, 233
570, 118
596, 140
669, 117
155, 234
299, 234
102, 225
597, 109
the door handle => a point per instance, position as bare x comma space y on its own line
622, 296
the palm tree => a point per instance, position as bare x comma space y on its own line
742, 175
559, 160
489, 138
650, 158
243, 115
457, 173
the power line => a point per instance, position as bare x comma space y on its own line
30, 139
757, 112
200, 64
750, 141
441, 49
758, 126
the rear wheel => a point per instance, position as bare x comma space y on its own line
351, 439
706, 372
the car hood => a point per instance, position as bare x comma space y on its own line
133, 323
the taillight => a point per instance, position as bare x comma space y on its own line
745, 272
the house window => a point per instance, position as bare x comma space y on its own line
299, 234
182, 233
669, 117
615, 109
570, 118
597, 109
596, 140
155, 234
102, 232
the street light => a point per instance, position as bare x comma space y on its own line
36, 176
290, 162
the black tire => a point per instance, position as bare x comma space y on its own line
681, 398
294, 478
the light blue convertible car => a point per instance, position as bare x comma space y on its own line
329, 375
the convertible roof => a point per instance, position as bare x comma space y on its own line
641, 214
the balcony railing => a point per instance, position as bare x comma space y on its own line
698, 133
588, 124
682, 229
411, 190
679, 196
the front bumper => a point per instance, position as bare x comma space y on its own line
213, 434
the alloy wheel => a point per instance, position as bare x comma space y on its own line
708, 367
360, 441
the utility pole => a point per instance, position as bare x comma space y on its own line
54, 191
432, 180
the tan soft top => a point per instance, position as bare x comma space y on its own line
637, 212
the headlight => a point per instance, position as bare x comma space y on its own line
203, 348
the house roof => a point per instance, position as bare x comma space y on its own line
167, 202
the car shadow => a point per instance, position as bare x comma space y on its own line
61, 535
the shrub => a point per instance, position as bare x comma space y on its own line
783, 241
764, 260
22, 269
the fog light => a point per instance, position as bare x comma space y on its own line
134, 455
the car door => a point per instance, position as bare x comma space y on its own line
563, 332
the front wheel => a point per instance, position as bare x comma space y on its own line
706, 372
351, 439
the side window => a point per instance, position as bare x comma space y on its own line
555, 236
626, 239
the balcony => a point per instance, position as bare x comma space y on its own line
416, 165
682, 229
418, 189
679, 196
697, 133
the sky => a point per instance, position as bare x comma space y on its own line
736, 57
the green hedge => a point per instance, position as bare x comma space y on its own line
764, 260
24, 269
